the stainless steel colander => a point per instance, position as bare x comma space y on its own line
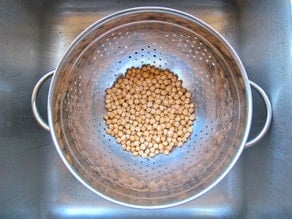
168, 39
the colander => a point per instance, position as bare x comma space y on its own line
167, 39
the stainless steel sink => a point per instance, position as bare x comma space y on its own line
35, 183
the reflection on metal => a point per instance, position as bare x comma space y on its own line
79, 211
31, 44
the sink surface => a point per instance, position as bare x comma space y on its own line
36, 184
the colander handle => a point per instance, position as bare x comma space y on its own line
268, 117
34, 95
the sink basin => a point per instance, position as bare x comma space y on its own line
36, 184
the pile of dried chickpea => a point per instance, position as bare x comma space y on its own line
149, 112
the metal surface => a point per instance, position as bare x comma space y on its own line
34, 181
168, 39
268, 121
34, 95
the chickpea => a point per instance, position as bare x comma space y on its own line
166, 152
148, 111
